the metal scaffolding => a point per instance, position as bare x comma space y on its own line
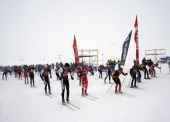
93, 58
155, 54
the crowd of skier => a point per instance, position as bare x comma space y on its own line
62, 70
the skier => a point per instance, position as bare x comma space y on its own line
19, 71
168, 61
44, 74
133, 72
117, 80
83, 73
100, 71
145, 70
153, 72
65, 81
108, 73
26, 74
78, 74
4, 73
31, 74
118, 62
57, 71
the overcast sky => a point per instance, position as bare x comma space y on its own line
46, 28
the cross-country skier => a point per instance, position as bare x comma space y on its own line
31, 74
19, 71
108, 73
57, 70
4, 73
26, 74
100, 71
83, 73
44, 74
153, 72
145, 70
133, 72
117, 80
63, 74
78, 69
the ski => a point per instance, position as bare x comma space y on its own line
129, 95
48, 95
125, 95
140, 89
89, 98
35, 87
93, 96
65, 104
73, 105
53, 95
68, 107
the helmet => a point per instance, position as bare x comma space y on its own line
66, 65
120, 68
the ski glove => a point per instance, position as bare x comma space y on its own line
50, 76
59, 78
72, 78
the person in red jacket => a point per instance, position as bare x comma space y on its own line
26, 74
19, 71
83, 73
117, 80
153, 72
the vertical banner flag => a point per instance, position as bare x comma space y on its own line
136, 40
75, 50
125, 49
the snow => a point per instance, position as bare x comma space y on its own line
21, 103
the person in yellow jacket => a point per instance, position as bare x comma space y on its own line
118, 62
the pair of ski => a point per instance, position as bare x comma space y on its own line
127, 95
33, 86
50, 95
69, 104
109, 82
138, 88
90, 97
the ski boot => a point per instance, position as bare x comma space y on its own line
63, 102
116, 92
50, 92
135, 86
132, 86
110, 82
120, 91
83, 94
86, 93
67, 99
104, 81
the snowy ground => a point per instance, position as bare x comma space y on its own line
150, 103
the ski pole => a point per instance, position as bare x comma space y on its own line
123, 80
129, 81
74, 81
110, 86
96, 75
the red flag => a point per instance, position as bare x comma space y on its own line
75, 50
136, 40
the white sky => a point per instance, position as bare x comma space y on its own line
47, 28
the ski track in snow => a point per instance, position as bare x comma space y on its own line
21, 103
